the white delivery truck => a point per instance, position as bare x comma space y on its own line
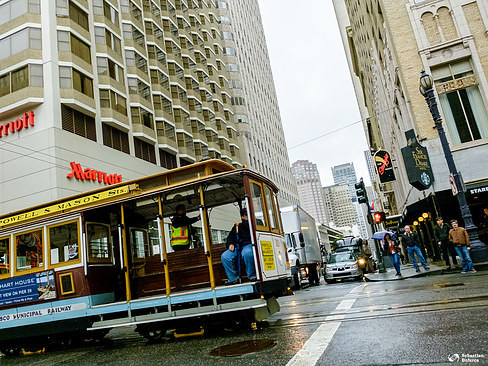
303, 246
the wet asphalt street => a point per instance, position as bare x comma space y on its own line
417, 321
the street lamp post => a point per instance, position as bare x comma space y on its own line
479, 250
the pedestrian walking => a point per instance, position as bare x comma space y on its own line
393, 251
441, 234
483, 226
460, 239
411, 240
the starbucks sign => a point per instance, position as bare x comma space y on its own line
417, 163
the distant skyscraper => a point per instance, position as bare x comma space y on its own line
310, 189
346, 174
371, 165
339, 206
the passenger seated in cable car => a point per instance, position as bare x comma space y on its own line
239, 246
181, 229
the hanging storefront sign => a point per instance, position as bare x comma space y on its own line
26, 120
384, 166
417, 163
91, 174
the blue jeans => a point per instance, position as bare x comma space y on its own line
466, 261
229, 261
396, 261
411, 253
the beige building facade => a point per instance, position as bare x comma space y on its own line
388, 43
339, 206
125, 88
254, 97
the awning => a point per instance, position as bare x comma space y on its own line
477, 187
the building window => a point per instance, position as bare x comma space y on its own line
78, 123
142, 117
72, 78
464, 110
115, 138
131, 32
29, 75
68, 42
134, 59
15, 8
144, 151
137, 86
103, 7
78, 16
104, 36
168, 160
113, 100
20, 41
106, 66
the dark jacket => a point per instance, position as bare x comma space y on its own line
410, 240
441, 233
243, 237
183, 220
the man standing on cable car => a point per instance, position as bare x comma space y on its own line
181, 230
239, 239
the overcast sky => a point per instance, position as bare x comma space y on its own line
313, 84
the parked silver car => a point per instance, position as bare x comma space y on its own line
342, 265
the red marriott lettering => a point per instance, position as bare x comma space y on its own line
25, 121
94, 175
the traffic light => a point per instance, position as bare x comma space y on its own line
361, 192
379, 217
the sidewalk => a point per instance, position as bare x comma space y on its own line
407, 272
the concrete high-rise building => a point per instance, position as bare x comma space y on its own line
388, 43
254, 96
371, 165
339, 206
123, 88
309, 188
346, 174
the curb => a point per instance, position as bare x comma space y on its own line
435, 272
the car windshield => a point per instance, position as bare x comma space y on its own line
341, 257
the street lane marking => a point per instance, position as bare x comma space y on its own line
318, 342
346, 304
311, 351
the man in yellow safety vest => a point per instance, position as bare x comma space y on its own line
181, 230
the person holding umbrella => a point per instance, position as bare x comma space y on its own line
393, 250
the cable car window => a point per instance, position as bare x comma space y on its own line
140, 243
273, 219
63, 243
29, 250
99, 249
4, 256
257, 201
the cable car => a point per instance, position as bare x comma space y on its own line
78, 267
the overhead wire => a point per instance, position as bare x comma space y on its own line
339, 129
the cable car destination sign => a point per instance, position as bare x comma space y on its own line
66, 205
